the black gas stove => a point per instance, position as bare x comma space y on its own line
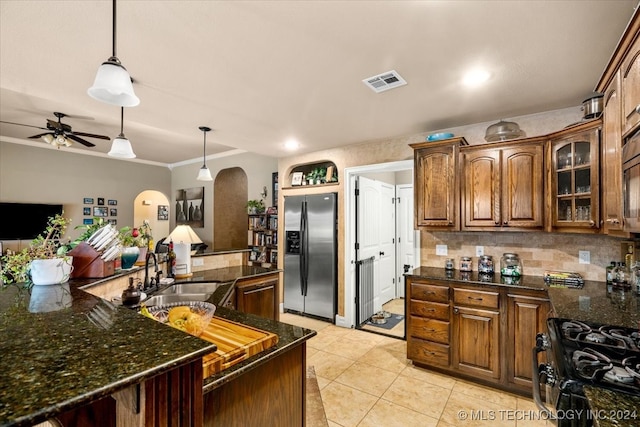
579, 354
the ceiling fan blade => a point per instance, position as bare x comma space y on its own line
20, 124
92, 135
80, 140
40, 135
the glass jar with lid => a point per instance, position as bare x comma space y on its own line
485, 264
510, 265
448, 264
465, 263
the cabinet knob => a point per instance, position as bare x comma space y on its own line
592, 223
381, 253
456, 310
638, 109
497, 223
505, 222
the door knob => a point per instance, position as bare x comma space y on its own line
381, 253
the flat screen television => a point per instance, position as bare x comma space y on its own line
25, 220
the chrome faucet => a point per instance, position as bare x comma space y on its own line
150, 283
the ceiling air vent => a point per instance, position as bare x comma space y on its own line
384, 81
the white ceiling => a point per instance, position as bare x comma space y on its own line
262, 72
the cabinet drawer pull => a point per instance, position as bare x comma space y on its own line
428, 329
429, 353
428, 293
429, 310
475, 299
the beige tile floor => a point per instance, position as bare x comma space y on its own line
366, 381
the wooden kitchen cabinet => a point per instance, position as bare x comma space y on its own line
437, 185
575, 179
476, 333
611, 154
502, 186
258, 295
631, 87
527, 315
428, 322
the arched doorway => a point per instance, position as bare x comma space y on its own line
147, 206
230, 213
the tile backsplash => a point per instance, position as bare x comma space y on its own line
538, 251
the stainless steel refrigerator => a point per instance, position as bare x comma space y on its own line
310, 260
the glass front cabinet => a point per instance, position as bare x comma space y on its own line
575, 179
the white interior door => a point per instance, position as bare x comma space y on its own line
408, 238
387, 243
369, 229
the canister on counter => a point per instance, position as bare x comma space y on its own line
485, 264
448, 264
465, 263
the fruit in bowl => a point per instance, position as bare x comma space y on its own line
189, 316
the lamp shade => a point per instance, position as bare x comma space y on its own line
121, 148
184, 234
113, 85
204, 174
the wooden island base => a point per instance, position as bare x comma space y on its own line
272, 394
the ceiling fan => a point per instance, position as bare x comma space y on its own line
60, 133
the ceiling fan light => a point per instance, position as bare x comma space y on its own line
204, 174
48, 138
121, 148
113, 85
61, 140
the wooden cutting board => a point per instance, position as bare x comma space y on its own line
236, 342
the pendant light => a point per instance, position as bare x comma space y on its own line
121, 147
113, 83
204, 174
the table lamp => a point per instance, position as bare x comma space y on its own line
182, 237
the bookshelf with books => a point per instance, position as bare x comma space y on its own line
262, 238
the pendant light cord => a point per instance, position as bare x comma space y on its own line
114, 30
204, 150
121, 121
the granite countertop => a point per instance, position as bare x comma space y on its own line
612, 409
592, 303
56, 360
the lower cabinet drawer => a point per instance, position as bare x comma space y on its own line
429, 353
430, 329
433, 310
427, 292
477, 298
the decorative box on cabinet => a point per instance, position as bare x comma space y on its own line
502, 186
575, 179
437, 184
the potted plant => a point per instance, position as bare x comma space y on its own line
43, 262
135, 241
255, 207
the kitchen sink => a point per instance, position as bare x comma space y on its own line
191, 288
169, 298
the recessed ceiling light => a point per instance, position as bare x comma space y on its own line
291, 145
476, 77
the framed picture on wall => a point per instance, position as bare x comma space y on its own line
100, 211
88, 200
112, 202
86, 211
113, 222
101, 201
163, 213
113, 212
87, 221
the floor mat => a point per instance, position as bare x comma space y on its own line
391, 321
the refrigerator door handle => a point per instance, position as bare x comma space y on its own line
301, 250
304, 237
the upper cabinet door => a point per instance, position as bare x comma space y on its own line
575, 181
522, 186
503, 187
436, 185
481, 188
631, 87
611, 153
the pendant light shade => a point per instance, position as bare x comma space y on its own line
113, 83
121, 147
204, 174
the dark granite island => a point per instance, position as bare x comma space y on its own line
61, 361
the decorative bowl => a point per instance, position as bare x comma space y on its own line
190, 316
439, 136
